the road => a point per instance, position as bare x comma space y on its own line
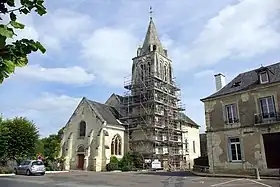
91, 179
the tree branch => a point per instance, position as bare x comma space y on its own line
15, 9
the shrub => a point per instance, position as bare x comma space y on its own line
48, 168
138, 160
6, 170
126, 168
113, 164
114, 159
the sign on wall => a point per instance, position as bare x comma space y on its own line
156, 164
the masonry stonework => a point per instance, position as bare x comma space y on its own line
246, 128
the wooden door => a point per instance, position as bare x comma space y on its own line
272, 150
81, 159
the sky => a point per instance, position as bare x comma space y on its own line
90, 45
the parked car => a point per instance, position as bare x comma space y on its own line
31, 167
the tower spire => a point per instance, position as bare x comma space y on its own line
151, 41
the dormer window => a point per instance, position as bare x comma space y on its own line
236, 84
263, 77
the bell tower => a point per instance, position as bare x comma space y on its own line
152, 104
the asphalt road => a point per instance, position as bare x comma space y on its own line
91, 179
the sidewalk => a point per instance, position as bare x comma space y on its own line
231, 175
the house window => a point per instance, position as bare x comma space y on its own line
234, 149
231, 113
82, 129
193, 146
116, 145
267, 107
263, 77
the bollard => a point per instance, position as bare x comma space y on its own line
258, 174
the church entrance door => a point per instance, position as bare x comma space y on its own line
81, 159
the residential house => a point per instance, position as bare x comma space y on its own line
243, 121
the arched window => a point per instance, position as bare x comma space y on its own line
81, 149
82, 129
116, 145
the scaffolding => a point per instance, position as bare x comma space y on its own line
152, 108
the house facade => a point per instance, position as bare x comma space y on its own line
243, 122
91, 136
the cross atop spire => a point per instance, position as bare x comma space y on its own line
152, 42
151, 12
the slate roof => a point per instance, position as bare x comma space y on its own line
248, 80
108, 113
151, 38
188, 120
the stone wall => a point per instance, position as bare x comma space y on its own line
250, 133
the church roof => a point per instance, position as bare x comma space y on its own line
188, 120
151, 39
108, 113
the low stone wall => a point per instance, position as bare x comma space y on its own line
270, 172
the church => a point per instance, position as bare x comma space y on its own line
147, 120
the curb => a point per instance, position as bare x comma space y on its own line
51, 172
7, 175
232, 176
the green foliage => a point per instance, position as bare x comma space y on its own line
113, 164
114, 159
6, 170
127, 163
18, 138
51, 150
51, 147
138, 160
14, 54
39, 148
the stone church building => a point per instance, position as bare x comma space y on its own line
96, 131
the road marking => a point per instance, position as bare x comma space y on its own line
242, 185
219, 184
259, 183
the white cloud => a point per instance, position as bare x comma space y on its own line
204, 73
70, 75
108, 53
48, 102
242, 30
50, 112
63, 26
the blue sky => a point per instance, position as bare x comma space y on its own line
90, 45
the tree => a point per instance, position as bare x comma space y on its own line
18, 138
14, 54
39, 148
52, 145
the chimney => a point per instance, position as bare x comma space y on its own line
220, 80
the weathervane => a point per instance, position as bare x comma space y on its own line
151, 12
